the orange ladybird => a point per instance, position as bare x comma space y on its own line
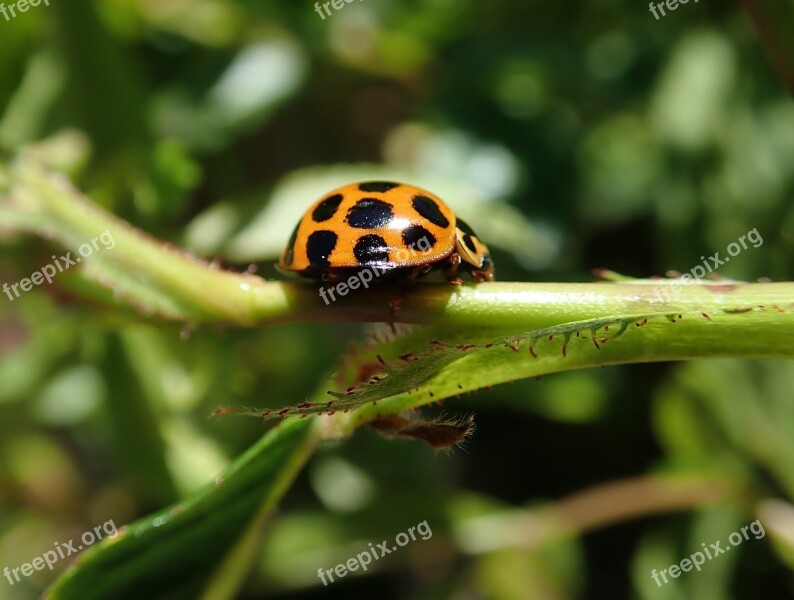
399, 229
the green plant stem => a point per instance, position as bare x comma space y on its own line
525, 306
157, 279
198, 292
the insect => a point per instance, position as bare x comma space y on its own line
399, 229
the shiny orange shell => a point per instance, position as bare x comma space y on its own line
371, 224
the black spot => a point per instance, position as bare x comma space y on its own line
370, 213
413, 236
319, 247
371, 249
464, 227
290, 254
428, 208
377, 186
469, 243
486, 261
327, 208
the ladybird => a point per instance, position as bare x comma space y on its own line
399, 230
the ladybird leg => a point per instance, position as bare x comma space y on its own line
417, 272
327, 288
396, 302
330, 276
394, 305
451, 269
482, 276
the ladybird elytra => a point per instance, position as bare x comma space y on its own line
395, 227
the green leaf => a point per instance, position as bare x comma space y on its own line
470, 360
200, 547
135, 429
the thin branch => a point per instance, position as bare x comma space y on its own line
588, 510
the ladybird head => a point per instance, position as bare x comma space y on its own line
475, 256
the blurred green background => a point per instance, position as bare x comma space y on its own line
572, 136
